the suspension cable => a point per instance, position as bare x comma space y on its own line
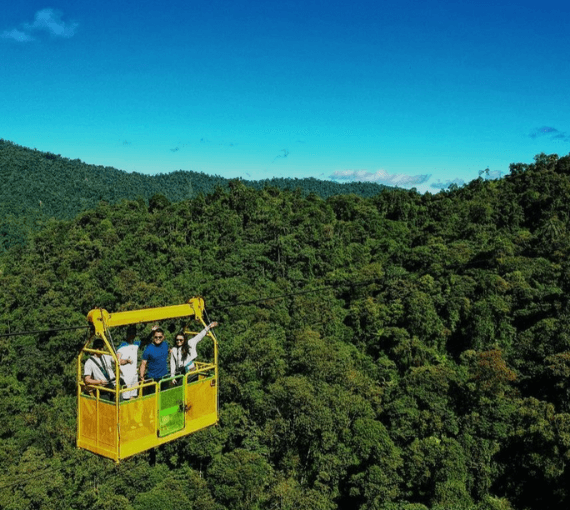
40, 331
220, 307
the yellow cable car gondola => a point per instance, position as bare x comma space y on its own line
116, 428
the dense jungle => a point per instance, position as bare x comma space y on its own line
428, 369
37, 186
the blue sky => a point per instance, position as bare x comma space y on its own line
410, 93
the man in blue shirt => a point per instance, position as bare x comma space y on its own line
155, 356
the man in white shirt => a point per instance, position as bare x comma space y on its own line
128, 357
98, 370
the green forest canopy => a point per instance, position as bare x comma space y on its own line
441, 382
38, 185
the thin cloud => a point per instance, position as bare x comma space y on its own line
550, 132
17, 35
45, 20
445, 184
561, 136
50, 20
379, 177
280, 156
490, 174
179, 146
206, 141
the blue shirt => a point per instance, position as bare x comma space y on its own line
156, 357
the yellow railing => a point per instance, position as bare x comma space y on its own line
117, 428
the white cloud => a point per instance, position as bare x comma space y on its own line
17, 35
550, 132
445, 184
48, 20
379, 177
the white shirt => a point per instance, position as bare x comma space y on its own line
129, 370
176, 358
92, 369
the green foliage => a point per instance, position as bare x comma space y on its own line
37, 186
239, 478
414, 353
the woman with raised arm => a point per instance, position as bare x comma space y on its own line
184, 352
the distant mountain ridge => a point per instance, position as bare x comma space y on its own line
62, 187
40, 185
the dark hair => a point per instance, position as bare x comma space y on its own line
98, 344
155, 331
185, 348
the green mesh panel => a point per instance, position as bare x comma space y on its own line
171, 410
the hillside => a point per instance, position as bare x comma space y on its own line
38, 185
432, 373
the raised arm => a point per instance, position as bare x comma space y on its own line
172, 363
193, 342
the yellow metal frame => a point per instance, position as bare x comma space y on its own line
99, 421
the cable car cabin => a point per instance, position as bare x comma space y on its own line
161, 411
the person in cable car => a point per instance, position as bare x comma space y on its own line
98, 370
184, 352
128, 358
155, 357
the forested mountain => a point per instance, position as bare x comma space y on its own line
38, 185
431, 371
